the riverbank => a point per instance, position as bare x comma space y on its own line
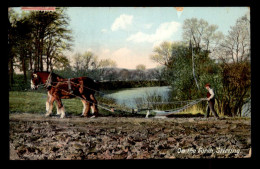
34, 137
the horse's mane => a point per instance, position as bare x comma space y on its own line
56, 75
53, 74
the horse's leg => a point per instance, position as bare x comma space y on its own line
92, 108
94, 105
50, 102
86, 104
58, 111
61, 109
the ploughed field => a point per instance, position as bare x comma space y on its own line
35, 137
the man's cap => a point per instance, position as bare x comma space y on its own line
207, 85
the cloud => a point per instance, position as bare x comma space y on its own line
104, 30
122, 22
164, 32
127, 58
148, 26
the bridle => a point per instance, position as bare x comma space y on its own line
47, 83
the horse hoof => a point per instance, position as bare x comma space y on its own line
47, 115
93, 117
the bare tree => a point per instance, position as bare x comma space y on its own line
201, 34
236, 46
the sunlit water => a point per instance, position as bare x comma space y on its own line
128, 97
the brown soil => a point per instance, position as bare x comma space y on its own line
34, 137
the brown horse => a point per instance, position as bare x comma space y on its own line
60, 88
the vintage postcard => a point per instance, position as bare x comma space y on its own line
129, 83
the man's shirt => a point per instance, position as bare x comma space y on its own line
211, 92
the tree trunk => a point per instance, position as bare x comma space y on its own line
47, 62
11, 71
41, 53
38, 58
24, 69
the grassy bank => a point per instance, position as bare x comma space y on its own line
34, 102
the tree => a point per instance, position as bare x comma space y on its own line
19, 40
110, 74
11, 43
89, 64
140, 67
58, 37
36, 40
83, 63
140, 70
180, 76
24, 39
51, 36
230, 77
236, 86
236, 46
162, 53
105, 69
60, 62
201, 34
234, 57
124, 74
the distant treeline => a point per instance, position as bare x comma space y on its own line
20, 85
114, 85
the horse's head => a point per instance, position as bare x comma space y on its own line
35, 80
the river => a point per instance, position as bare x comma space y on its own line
128, 97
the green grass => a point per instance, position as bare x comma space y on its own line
29, 102
34, 102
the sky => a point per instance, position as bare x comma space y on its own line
128, 35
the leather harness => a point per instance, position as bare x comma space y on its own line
69, 86
49, 80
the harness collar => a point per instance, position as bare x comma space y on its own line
48, 81
69, 86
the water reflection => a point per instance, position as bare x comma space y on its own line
128, 97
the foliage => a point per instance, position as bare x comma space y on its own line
140, 67
180, 74
229, 73
163, 53
37, 40
236, 87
